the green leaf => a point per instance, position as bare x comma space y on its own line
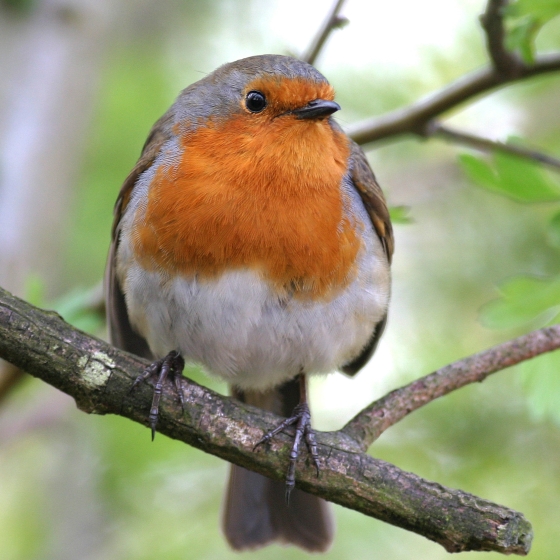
400, 215
516, 177
75, 308
523, 299
478, 171
524, 19
521, 38
543, 10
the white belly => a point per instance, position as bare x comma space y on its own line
238, 328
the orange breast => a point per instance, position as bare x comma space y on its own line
263, 195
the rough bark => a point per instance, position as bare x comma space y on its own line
373, 420
99, 377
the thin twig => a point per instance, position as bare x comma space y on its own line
371, 422
415, 119
332, 21
99, 378
505, 62
437, 130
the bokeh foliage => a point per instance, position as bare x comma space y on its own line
77, 486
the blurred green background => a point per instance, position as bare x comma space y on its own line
469, 272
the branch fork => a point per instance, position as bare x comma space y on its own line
506, 63
99, 378
422, 118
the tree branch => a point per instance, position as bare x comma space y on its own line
371, 422
437, 130
416, 118
99, 377
505, 62
332, 21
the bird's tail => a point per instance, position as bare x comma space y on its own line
256, 513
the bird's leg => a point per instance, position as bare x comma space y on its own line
301, 417
172, 365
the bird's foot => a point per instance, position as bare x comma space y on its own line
170, 366
301, 417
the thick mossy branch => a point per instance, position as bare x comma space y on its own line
99, 378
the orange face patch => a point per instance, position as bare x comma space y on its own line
285, 94
255, 193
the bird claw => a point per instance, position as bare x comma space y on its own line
302, 419
172, 365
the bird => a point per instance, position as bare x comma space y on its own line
252, 238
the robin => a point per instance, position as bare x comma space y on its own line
252, 237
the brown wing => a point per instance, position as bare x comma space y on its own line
121, 332
374, 202
372, 196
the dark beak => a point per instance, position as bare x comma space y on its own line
316, 109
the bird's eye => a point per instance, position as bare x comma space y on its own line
255, 101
